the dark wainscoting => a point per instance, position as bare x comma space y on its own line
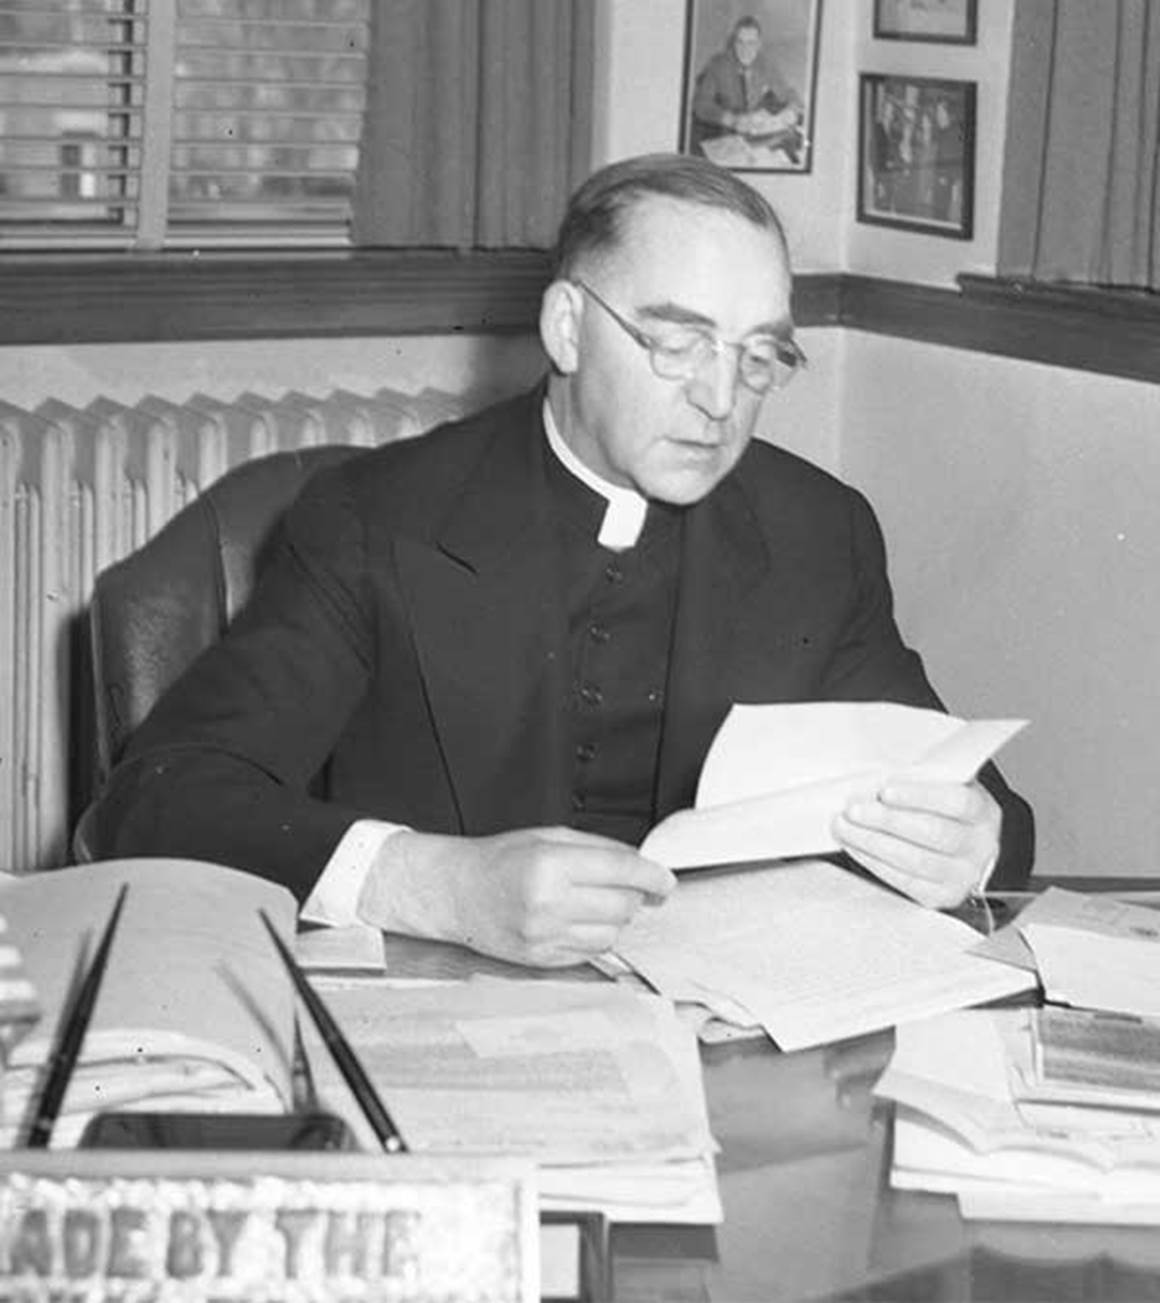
100, 299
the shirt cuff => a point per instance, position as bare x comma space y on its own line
334, 899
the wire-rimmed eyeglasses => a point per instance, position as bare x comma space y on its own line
763, 361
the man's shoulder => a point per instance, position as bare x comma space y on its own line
776, 473
420, 470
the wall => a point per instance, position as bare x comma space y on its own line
1018, 502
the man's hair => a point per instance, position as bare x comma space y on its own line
595, 219
745, 23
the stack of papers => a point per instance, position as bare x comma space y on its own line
600, 1086
810, 952
1030, 1114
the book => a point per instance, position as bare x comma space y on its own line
195, 1011
776, 775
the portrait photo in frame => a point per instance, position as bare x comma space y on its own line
942, 22
916, 154
749, 83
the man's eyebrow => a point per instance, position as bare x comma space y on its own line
679, 315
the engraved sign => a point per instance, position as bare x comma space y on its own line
265, 1228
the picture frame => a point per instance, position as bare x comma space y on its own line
916, 154
749, 84
939, 22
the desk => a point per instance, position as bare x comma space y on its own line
808, 1210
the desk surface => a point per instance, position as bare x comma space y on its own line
803, 1168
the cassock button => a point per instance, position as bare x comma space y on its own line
591, 695
599, 632
578, 802
614, 573
586, 751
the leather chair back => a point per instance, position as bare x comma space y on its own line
154, 611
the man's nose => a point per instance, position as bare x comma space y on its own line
713, 389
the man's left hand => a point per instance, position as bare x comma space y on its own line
933, 841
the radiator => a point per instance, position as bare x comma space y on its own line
80, 487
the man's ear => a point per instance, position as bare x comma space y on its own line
560, 311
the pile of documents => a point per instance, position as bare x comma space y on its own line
1043, 1114
810, 953
1034, 1115
601, 1086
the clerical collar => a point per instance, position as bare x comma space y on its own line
626, 510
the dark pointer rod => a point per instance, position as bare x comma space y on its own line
76, 1023
352, 1070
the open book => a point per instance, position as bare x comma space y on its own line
776, 775
195, 1011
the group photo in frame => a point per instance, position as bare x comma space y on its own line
749, 83
916, 153
942, 22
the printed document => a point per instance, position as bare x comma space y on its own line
601, 1086
814, 952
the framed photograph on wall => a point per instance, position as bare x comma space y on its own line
946, 22
916, 154
750, 73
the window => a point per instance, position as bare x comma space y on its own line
170, 123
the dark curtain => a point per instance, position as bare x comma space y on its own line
478, 121
1081, 190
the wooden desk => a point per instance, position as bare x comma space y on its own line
803, 1171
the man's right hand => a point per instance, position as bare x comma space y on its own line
542, 896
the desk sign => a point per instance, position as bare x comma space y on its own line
182, 1226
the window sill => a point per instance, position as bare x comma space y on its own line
134, 298
131, 298
1115, 333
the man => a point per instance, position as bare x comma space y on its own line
516, 636
741, 90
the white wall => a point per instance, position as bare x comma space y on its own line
1019, 505
126, 372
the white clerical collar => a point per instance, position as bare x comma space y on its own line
625, 513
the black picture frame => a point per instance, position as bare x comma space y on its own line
773, 128
938, 22
916, 154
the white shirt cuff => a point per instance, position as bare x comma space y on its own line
334, 899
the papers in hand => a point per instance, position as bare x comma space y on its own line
776, 775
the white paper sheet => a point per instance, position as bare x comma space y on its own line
776, 775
